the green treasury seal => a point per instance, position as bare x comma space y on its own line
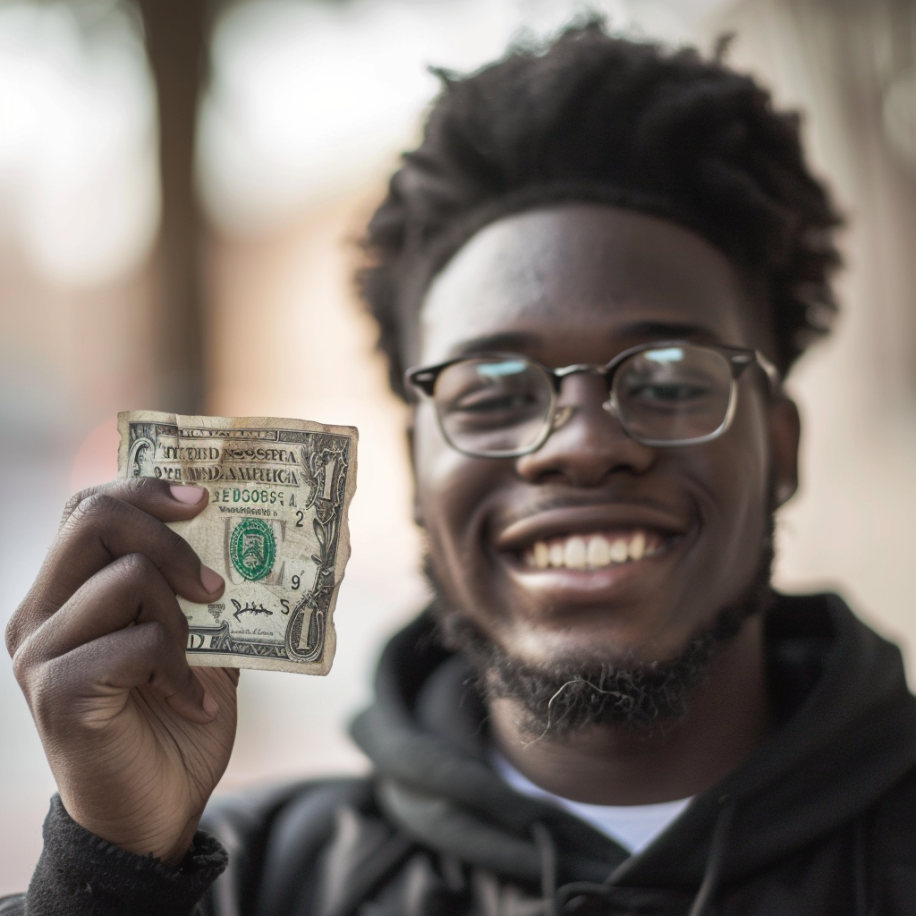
253, 548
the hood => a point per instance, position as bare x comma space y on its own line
849, 734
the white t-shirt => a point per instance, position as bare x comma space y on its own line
633, 826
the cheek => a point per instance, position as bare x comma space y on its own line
737, 493
452, 490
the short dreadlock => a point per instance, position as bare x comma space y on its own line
592, 117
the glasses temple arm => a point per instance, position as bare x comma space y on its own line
772, 373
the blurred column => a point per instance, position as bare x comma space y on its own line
176, 36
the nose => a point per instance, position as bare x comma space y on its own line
589, 444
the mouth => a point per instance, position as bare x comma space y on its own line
591, 551
595, 548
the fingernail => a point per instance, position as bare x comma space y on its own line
211, 707
210, 579
188, 495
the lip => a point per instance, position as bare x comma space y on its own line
556, 588
566, 520
608, 586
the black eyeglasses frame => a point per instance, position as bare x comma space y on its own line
423, 379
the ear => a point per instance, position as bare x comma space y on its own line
417, 513
785, 436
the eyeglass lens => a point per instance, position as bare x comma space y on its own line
493, 405
673, 394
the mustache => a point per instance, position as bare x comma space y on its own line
607, 496
562, 698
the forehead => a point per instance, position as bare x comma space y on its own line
579, 281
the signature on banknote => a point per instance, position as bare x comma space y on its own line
250, 608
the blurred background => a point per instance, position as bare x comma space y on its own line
182, 187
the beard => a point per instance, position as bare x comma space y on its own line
563, 697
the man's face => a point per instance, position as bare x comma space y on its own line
579, 283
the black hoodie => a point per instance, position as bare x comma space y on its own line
820, 820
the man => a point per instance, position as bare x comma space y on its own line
600, 263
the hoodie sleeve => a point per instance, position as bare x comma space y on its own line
80, 874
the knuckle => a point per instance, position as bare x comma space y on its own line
21, 667
137, 579
143, 582
93, 510
41, 687
137, 568
159, 645
183, 680
142, 487
74, 502
16, 630
190, 683
156, 637
184, 628
30, 655
11, 634
176, 549
29, 671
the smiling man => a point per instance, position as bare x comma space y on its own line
599, 533
591, 280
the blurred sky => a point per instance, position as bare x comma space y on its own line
308, 106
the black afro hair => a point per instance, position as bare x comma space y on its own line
592, 117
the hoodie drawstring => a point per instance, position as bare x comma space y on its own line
715, 858
861, 867
372, 873
548, 854
553, 902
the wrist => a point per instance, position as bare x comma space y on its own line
167, 844
82, 873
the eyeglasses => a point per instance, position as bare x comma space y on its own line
664, 395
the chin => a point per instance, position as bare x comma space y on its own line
597, 637
564, 685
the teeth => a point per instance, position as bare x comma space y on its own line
541, 555
575, 553
637, 546
592, 551
599, 551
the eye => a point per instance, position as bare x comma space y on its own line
669, 392
492, 402
491, 392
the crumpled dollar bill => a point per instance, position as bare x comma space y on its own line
275, 529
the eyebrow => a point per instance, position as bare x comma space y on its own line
667, 330
638, 331
506, 341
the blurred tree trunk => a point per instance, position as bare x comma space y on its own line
176, 41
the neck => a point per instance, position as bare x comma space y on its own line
728, 719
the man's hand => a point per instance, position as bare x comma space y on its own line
137, 740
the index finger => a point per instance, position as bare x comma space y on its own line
168, 502
100, 528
